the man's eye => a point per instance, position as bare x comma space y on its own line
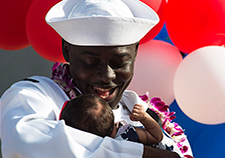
118, 64
121, 62
90, 63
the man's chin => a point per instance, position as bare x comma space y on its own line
114, 103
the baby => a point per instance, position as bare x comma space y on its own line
93, 114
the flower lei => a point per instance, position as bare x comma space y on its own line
166, 116
61, 75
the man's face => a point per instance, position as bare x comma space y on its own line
105, 71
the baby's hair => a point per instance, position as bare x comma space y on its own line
89, 113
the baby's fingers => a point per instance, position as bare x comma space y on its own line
137, 106
135, 110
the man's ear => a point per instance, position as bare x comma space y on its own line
65, 49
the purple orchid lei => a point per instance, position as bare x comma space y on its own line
172, 128
61, 75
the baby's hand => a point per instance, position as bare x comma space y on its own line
138, 113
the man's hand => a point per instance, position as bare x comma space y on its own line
150, 152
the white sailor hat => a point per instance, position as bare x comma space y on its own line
101, 22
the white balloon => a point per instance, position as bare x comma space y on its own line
199, 85
154, 70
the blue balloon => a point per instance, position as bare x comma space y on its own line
207, 141
163, 35
192, 128
211, 142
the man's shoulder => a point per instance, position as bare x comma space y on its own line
40, 84
32, 82
36, 79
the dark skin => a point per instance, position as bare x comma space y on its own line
106, 71
103, 71
158, 153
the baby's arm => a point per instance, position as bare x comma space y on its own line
152, 133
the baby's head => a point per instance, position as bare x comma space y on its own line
89, 113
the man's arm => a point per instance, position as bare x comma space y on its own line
150, 152
29, 127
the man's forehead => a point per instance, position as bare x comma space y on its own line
108, 50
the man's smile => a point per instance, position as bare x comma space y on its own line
104, 93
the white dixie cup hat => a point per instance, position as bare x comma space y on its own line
101, 22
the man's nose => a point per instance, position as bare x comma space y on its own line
107, 74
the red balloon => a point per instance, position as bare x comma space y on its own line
160, 7
45, 41
13, 21
192, 24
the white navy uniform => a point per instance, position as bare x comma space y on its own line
30, 127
